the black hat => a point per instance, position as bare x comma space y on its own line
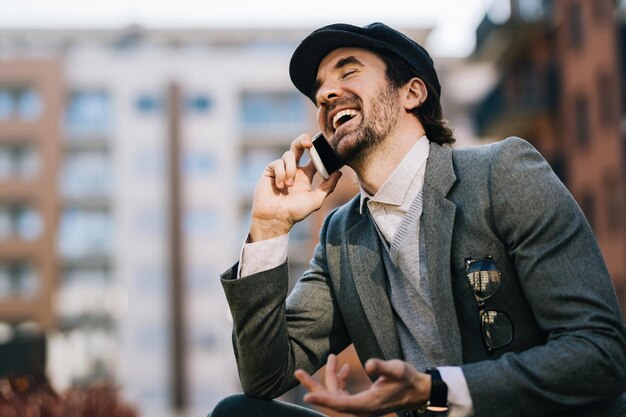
376, 37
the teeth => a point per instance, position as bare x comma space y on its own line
348, 112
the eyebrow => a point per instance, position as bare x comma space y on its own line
343, 62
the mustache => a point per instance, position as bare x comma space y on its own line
343, 101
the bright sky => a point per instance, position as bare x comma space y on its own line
453, 21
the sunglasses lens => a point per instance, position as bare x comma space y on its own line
484, 278
497, 329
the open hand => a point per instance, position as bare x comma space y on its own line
398, 386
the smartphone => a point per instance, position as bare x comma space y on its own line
323, 157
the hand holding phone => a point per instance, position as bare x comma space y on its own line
323, 156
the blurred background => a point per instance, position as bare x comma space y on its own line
132, 135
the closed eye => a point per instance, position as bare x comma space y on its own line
348, 73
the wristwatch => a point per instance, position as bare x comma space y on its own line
438, 401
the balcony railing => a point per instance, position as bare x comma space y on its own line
516, 98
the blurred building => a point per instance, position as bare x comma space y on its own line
561, 68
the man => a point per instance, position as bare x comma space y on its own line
468, 280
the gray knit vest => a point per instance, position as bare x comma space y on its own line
409, 291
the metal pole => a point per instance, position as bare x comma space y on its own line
175, 241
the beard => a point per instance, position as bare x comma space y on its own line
374, 128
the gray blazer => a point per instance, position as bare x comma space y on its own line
569, 350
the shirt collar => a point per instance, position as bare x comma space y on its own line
395, 188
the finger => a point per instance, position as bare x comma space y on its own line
278, 167
308, 381
394, 369
290, 167
372, 366
343, 372
298, 146
330, 375
326, 187
342, 375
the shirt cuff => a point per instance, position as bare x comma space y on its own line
263, 255
459, 399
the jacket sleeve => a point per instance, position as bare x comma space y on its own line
566, 283
274, 335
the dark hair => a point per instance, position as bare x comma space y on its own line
429, 112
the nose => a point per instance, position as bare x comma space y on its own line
327, 92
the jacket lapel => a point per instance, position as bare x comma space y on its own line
369, 277
438, 223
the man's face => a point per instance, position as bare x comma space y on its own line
357, 107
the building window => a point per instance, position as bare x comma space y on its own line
23, 103
88, 115
85, 233
198, 103
199, 164
615, 204
19, 221
99, 276
200, 222
608, 99
601, 10
18, 279
93, 343
581, 117
7, 105
273, 110
86, 174
149, 104
29, 105
87, 292
18, 162
576, 26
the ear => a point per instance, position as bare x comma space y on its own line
414, 93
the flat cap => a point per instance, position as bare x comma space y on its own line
376, 37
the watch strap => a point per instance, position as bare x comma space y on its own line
438, 400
